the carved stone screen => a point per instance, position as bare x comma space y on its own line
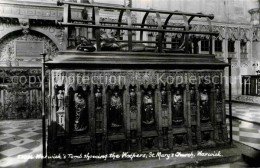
28, 48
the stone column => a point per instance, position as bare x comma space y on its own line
186, 105
198, 115
139, 106
104, 105
170, 135
158, 115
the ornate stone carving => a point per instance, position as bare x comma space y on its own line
138, 110
177, 112
80, 123
245, 34
134, 141
98, 97
116, 111
20, 98
24, 23
164, 98
206, 136
164, 106
179, 139
7, 46
150, 143
256, 34
194, 137
133, 108
98, 107
204, 105
165, 137
148, 109
218, 93
61, 98
221, 30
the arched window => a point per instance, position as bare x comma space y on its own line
243, 47
218, 45
204, 44
231, 46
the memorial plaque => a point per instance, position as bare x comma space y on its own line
28, 48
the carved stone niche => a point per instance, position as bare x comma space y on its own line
149, 143
193, 104
148, 109
220, 132
219, 103
177, 106
98, 143
134, 141
165, 137
117, 146
179, 140
60, 109
204, 98
218, 93
206, 136
98, 107
164, 105
78, 112
133, 107
194, 134
115, 116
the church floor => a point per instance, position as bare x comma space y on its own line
18, 137
24, 137
246, 124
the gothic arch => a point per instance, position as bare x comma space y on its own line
7, 47
9, 31
36, 29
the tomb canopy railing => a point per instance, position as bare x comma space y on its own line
161, 28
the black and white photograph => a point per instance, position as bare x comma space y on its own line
129, 83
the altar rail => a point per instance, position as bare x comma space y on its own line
251, 85
161, 28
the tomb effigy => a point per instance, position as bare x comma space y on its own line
110, 94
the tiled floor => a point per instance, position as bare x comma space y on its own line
246, 133
24, 136
245, 112
246, 125
19, 137
230, 165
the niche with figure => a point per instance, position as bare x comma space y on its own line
204, 103
193, 104
218, 93
219, 103
164, 105
79, 123
148, 109
133, 107
60, 108
98, 107
115, 110
177, 106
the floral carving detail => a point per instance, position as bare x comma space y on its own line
7, 45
